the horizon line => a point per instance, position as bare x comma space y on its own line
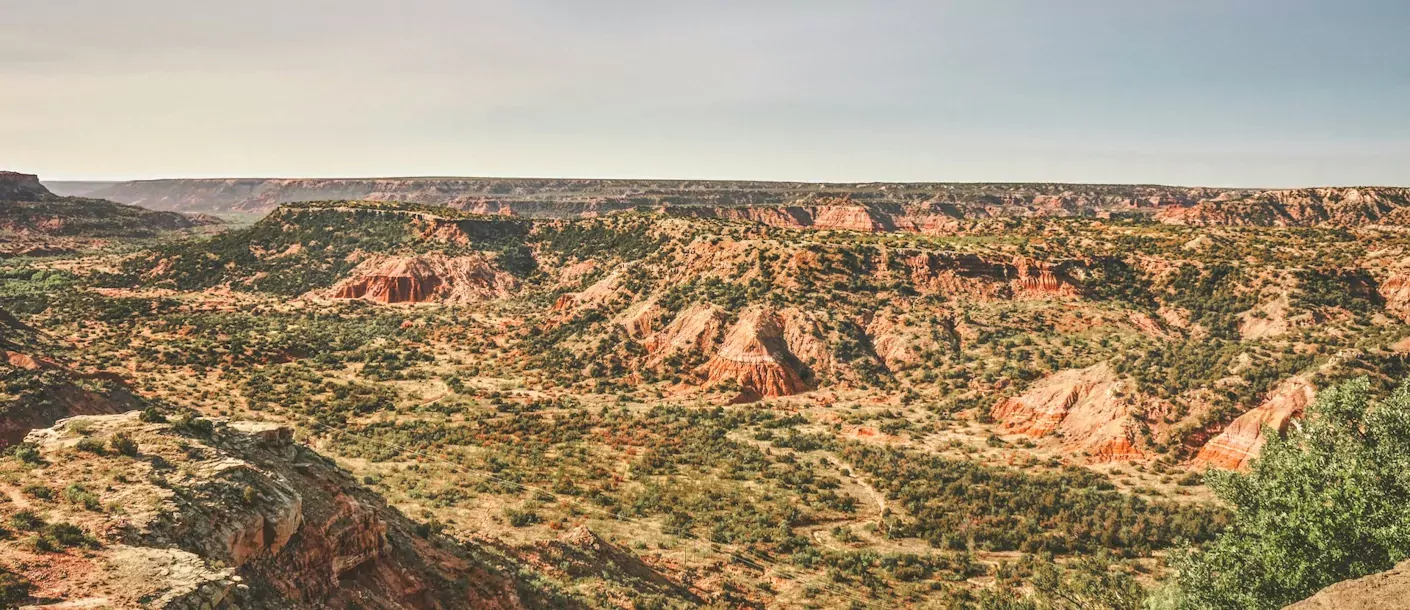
726, 180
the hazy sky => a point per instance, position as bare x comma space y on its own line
1217, 92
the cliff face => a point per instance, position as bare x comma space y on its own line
755, 356
15, 186
424, 278
1083, 407
1243, 439
239, 517
1396, 292
694, 331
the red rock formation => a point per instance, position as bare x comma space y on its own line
424, 278
1082, 406
959, 275
805, 338
754, 355
846, 217
1243, 439
1037, 279
1396, 292
896, 343
1296, 207
641, 319
694, 330
600, 293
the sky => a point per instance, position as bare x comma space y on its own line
1271, 93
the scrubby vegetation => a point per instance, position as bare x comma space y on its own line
891, 482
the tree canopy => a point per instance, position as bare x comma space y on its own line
1328, 501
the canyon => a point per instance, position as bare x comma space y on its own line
588, 393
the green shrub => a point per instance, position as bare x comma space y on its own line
152, 416
26, 521
76, 494
69, 535
123, 444
37, 490
14, 588
28, 454
193, 425
521, 518
92, 445
1327, 503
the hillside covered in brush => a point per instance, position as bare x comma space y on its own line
34, 221
675, 408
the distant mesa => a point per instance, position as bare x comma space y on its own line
871, 207
15, 186
32, 211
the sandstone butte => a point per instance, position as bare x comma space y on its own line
1242, 440
755, 355
424, 278
1082, 406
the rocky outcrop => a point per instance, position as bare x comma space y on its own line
15, 186
1396, 292
695, 330
1389, 590
755, 356
962, 275
1242, 440
1038, 279
1082, 407
641, 319
972, 277
50, 223
899, 344
243, 516
850, 218
425, 278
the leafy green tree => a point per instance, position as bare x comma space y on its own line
1328, 502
